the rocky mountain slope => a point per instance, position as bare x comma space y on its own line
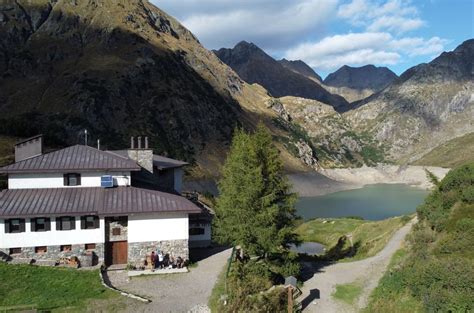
357, 83
317, 130
118, 68
255, 66
427, 106
365, 77
302, 68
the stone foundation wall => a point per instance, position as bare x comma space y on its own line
137, 251
54, 253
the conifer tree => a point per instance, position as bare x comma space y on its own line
255, 208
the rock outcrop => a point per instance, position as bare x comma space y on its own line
427, 106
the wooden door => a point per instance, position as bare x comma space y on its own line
117, 252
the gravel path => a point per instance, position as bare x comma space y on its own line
174, 292
317, 290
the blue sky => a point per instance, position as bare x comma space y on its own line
327, 34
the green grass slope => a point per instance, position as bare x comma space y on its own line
47, 288
369, 237
453, 153
437, 272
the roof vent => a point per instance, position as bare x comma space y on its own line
29, 148
107, 181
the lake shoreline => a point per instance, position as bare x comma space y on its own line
326, 181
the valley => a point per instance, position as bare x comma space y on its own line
370, 169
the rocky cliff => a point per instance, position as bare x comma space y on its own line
427, 106
317, 126
255, 66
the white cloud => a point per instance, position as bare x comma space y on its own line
395, 24
397, 16
352, 49
358, 49
371, 31
270, 24
415, 46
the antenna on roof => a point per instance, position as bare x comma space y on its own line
85, 136
98, 144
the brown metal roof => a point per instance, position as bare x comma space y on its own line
94, 201
74, 158
162, 162
159, 161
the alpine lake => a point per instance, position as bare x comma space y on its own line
371, 202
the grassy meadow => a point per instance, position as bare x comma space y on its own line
47, 288
368, 237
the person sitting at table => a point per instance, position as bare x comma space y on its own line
179, 262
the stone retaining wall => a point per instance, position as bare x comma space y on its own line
54, 253
137, 251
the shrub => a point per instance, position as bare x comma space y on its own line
468, 195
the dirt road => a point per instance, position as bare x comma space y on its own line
317, 290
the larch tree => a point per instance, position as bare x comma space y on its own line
255, 208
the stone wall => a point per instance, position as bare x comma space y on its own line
137, 251
144, 158
120, 226
54, 254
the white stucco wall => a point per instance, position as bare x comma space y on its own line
205, 236
53, 237
56, 180
159, 226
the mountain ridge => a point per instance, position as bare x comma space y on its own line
255, 66
302, 68
365, 77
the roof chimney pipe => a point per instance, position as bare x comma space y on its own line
146, 142
132, 143
139, 142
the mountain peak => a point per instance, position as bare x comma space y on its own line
255, 66
300, 67
365, 77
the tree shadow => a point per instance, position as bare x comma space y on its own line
199, 254
313, 294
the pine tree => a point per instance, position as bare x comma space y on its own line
255, 208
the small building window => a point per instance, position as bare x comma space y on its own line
66, 223
41, 250
89, 222
40, 224
66, 248
16, 225
196, 231
116, 231
72, 179
14, 251
89, 246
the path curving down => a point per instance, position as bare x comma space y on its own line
316, 292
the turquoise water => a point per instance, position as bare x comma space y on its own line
372, 202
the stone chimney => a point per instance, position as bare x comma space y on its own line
141, 153
29, 148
